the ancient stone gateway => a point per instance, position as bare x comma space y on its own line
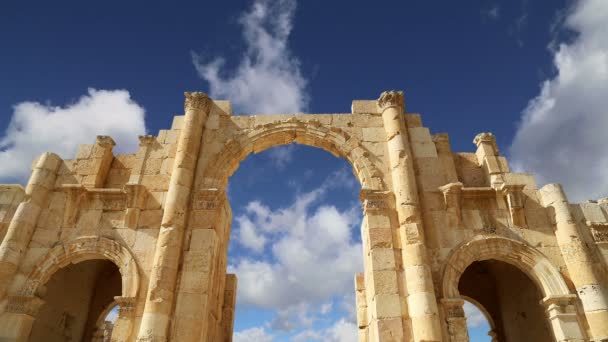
149, 232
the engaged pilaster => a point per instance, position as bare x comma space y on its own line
422, 305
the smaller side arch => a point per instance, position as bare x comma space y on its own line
81, 249
526, 258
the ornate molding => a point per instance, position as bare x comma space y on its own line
126, 306
452, 196
196, 101
147, 140
599, 231
484, 137
515, 201
208, 199
28, 305
391, 98
375, 200
105, 141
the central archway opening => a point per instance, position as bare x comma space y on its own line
75, 299
510, 299
295, 245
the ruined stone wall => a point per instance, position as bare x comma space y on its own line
161, 215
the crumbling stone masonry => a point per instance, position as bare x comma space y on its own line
149, 232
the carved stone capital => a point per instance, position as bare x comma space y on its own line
105, 141
486, 137
391, 98
599, 231
126, 306
147, 140
375, 200
27, 305
196, 101
453, 307
136, 195
208, 199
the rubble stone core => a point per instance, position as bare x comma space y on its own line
438, 227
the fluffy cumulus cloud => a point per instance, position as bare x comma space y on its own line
301, 257
268, 78
562, 134
36, 128
258, 334
340, 331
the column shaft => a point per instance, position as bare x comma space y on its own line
422, 305
22, 226
161, 290
579, 261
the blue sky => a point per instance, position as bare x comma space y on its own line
535, 73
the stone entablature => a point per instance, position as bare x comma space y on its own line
162, 216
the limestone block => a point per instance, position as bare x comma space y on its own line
379, 220
382, 259
111, 219
150, 218
521, 178
593, 212
385, 306
89, 219
383, 282
178, 122
365, 107
172, 136
413, 120
374, 134
84, 151
379, 238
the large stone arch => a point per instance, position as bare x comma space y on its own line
529, 260
81, 249
559, 303
281, 132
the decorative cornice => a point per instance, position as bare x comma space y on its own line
105, 141
391, 98
28, 305
485, 137
196, 101
375, 200
147, 140
208, 199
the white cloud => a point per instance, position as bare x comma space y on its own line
280, 156
36, 128
341, 331
475, 318
313, 257
268, 78
256, 334
562, 134
492, 13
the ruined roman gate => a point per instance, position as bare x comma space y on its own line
149, 232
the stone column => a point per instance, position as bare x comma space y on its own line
22, 226
457, 322
161, 290
584, 272
561, 311
421, 300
